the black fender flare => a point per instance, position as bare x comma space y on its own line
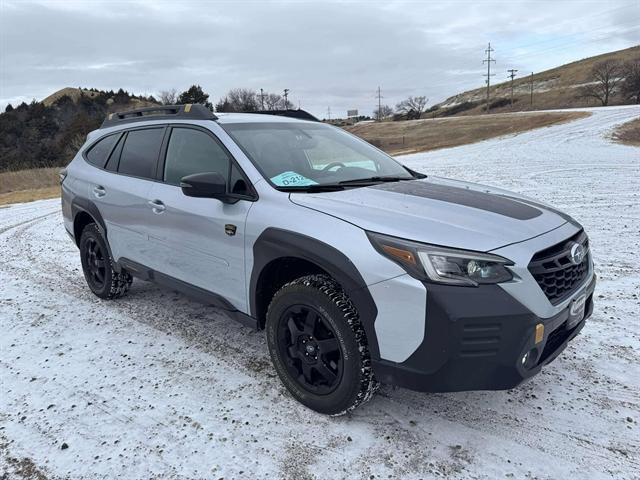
274, 243
79, 204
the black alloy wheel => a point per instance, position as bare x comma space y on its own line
96, 263
318, 345
102, 277
312, 351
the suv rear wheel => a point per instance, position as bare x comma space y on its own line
97, 265
318, 345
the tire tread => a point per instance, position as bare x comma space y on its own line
334, 293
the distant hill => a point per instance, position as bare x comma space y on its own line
555, 88
73, 93
48, 133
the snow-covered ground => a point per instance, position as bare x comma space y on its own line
156, 386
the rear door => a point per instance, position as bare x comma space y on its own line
122, 188
199, 240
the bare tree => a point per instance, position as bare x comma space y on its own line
223, 105
239, 100
168, 97
385, 111
606, 77
273, 101
417, 104
631, 84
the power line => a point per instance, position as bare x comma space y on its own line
379, 105
512, 74
488, 61
573, 21
531, 101
580, 41
286, 101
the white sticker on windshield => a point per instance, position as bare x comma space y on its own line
292, 179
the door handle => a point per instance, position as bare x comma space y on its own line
99, 191
157, 206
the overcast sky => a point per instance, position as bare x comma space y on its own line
327, 53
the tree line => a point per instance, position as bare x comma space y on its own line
247, 100
35, 135
235, 100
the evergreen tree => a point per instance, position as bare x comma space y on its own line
195, 94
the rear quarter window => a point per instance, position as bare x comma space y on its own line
114, 158
140, 153
98, 153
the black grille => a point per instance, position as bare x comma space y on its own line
554, 271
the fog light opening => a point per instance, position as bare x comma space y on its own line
529, 359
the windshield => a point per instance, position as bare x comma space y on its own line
292, 155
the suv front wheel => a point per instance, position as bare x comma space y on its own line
97, 265
318, 345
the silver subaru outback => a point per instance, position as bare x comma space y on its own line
360, 270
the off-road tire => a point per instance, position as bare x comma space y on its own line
356, 384
115, 284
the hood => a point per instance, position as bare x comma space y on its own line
439, 211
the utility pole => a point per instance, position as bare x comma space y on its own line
262, 98
329, 113
489, 74
379, 105
286, 101
512, 72
531, 103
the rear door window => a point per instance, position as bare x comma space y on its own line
97, 155
140, 153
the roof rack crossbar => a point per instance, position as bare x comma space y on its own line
191, 111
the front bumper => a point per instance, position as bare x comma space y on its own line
475, 339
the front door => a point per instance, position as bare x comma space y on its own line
199, 241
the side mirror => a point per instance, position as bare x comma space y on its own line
204, 185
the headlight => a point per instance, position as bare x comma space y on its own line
443, 265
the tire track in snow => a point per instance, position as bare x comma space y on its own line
16, 225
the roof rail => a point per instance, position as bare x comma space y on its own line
193, 111
299, 113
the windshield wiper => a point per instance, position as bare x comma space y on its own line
329, 187
332, 187
372, 180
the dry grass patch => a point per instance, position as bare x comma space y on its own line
628, 133
422, 135
28, 185
28, 179
29, 195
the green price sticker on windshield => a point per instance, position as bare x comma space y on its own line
292, 179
